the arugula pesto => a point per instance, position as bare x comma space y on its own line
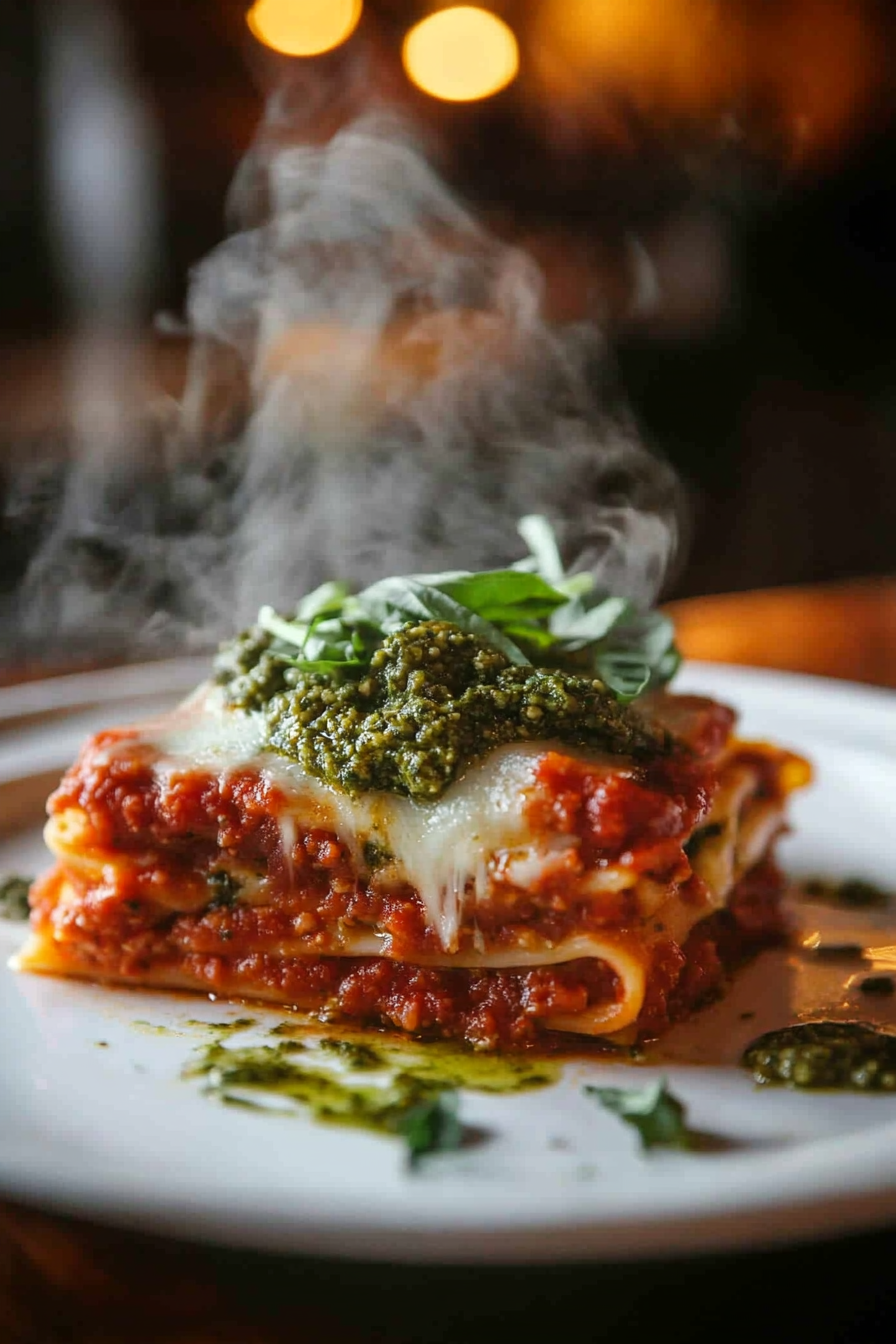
398, 687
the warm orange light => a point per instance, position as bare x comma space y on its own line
812, 64
676, 54
304, 27
461, 54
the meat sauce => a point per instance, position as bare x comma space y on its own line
185, 826
486, 1008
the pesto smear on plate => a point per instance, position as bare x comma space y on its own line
399, 687
391, 1088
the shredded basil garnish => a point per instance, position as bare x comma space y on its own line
433, 1126
534, 613
657, 1115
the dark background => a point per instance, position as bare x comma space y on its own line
766, 377
766, 372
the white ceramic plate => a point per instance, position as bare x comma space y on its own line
112, 1131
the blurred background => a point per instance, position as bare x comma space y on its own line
706, 187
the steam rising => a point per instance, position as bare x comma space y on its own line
373, 389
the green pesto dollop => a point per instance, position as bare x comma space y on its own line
14, 897
851, 1056
433, 698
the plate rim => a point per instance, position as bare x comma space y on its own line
864, 1205
97, 686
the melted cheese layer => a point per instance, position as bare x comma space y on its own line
442, 848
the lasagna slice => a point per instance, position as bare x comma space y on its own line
549, 887
464, 805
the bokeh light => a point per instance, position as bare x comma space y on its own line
304, 27
461, 54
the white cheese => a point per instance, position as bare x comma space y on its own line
442, 849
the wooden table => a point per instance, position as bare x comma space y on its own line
71, 1282
843, 630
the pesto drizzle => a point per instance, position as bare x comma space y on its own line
394, 1091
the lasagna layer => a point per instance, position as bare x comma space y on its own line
547, 890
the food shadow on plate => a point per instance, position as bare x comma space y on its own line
762, 995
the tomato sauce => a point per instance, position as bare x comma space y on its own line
486, 1008
184, 826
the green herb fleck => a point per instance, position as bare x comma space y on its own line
431, 1127
221, 1028
14, 897
658, 1116
861, 895
224, 889
375, 856
854, 893
354, 1054
228, 1099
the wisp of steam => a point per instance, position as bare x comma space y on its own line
373, 388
